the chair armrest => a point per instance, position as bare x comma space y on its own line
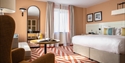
47, 58
17, 55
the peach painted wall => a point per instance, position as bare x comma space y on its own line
79, 15
84, 20
21, 21
106, 9
78, 20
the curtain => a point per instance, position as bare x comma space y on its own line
71, 20
63, 23
59, 23
49, 30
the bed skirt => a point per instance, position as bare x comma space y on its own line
100, 56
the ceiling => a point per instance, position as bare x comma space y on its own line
79, 3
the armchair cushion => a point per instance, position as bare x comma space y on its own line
47, 58
18, 55
24, 62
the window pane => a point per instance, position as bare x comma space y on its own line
29, 22
61, 20
33, 28
33, 22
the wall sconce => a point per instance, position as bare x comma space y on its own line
22, 10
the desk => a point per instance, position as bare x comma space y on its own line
45, 43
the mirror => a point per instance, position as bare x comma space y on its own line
33, 20
33, 24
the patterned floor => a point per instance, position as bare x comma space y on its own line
63, 55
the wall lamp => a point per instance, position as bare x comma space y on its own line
22, 10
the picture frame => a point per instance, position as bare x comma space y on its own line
90, 17
98, 16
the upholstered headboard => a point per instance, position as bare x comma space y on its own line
95, 27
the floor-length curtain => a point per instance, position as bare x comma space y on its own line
71, 22
49, 29
63, 23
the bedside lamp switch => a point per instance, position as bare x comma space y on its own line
99, 28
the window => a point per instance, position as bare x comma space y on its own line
61, 20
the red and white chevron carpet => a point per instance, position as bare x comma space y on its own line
63, 54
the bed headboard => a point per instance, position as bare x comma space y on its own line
95, 27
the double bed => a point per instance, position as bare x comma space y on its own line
102, 48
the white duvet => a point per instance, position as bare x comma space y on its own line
109, 43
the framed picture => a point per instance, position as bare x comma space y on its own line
90, 17
98, 16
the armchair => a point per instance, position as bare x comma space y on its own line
8, 55
18, 57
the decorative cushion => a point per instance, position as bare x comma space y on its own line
105, 31
40, 36
123, 31
108, 31
117, 31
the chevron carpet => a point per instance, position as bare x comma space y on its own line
62, 55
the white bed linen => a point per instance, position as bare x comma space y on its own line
109, 43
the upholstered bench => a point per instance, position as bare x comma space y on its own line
26, 48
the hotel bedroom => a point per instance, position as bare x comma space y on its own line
82, 31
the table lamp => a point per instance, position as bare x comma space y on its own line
7, 6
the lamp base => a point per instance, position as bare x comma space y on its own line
1, 13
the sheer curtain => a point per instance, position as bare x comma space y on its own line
63, 23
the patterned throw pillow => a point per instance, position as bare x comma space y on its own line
117, 31
123, 31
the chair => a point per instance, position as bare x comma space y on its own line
8, 55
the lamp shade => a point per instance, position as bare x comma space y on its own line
7, 6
